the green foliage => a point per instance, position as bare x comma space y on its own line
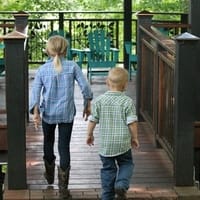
116, 5
175, 6
4, 168
62, 5
88, 5
161, 5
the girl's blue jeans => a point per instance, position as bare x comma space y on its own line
116, 173
64, 138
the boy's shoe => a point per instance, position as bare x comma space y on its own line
120, 194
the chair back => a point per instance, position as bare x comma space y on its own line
100, 55
57, 32
99, 45
130, 48
72, 54
65, 35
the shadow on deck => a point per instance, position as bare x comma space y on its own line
153, 173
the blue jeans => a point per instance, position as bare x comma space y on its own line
64, 138
116, 173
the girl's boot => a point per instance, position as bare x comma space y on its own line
63, 181
49, 171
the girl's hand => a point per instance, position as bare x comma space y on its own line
86, 113
87, 110
36, 120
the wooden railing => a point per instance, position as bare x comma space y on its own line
165, 100
157, 81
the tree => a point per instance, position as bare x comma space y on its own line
161, 5
88, 5
48, 5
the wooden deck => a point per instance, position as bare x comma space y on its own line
153, 173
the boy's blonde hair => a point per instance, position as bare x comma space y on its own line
57, 47
118, 77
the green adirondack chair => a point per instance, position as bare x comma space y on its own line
100, 56
132, 57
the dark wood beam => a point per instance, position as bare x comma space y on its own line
184, 107
127, 27
16, 101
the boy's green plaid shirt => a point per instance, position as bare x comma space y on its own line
113, 111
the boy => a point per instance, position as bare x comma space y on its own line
115, 113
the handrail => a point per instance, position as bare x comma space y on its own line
163, 93
161, 42
172, 25
79, 11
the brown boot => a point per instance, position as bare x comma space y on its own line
63, 181
49, 171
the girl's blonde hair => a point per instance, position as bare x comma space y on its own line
57, 47
118, 77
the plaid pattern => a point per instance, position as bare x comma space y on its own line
113, 111
54, 92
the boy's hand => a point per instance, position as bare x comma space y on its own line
135, 143
90, 140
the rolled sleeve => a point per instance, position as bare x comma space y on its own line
131, 114
94, 117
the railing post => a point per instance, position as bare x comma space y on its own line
184, 20
21, 25
185, 81
16, 79
61, 21
194, 15
127, 27
21, 22
145, 20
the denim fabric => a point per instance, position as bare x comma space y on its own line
64, 137
57, 91
116, 173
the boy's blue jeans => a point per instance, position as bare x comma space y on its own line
116, 173
64, 137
